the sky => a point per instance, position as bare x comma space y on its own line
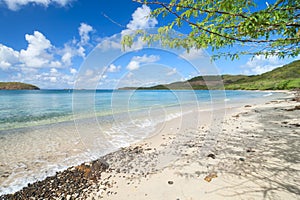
58, 44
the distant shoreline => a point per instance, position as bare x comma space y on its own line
286, 77
17, 86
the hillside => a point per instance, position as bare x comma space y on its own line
17, 86
282, 78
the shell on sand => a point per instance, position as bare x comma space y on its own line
209, 177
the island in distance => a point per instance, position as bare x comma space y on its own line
286, 77
17, 86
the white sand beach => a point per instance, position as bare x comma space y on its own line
255, 156
244, 152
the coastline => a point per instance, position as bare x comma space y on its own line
173, 163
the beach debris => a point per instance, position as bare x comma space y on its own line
211, 155
297, 95
67, 184
248, 106
137, 150
250, 150
242, 159
170, 182
85, 169
210, 176
297, 125
293, 109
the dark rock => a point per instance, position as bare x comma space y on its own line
242, 159
170, 182
250, 150
293, 109
297, 125
211, 155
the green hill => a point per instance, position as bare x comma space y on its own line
17, 86
285, 77
282, 78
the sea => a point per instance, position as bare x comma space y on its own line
45, 131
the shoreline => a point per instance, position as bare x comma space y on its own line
137, 167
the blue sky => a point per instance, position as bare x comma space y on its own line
45, 42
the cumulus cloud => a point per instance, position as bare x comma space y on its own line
37, 53
136, 61
76, 48
133, 65
259, 64
113, 68
193, 54
17, 4
172, 72
84, 31
73, 71
8, 57
70, 51
146, 59
29, 63
129, 75
141, 19
53, 71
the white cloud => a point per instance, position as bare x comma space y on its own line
89, 73
193, 54
136, 61
109, 43
141, 19
8, 57
55, 64
81, 51
16, 4
133, 65
103, 76
70, 51
129, 75
53, 79
37, 53
172, 72
4, 65
259, 64
73, 71
146, 59
84, 31
113, 68
53, 71
67, 57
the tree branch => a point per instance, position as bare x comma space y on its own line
224, 36
195, 9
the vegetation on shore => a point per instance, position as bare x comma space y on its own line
283, 78
17, 86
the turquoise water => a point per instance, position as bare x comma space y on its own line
42, 132
30, 108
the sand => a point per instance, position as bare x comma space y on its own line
245, 152
255, 156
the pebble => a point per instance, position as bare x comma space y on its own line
170, 182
